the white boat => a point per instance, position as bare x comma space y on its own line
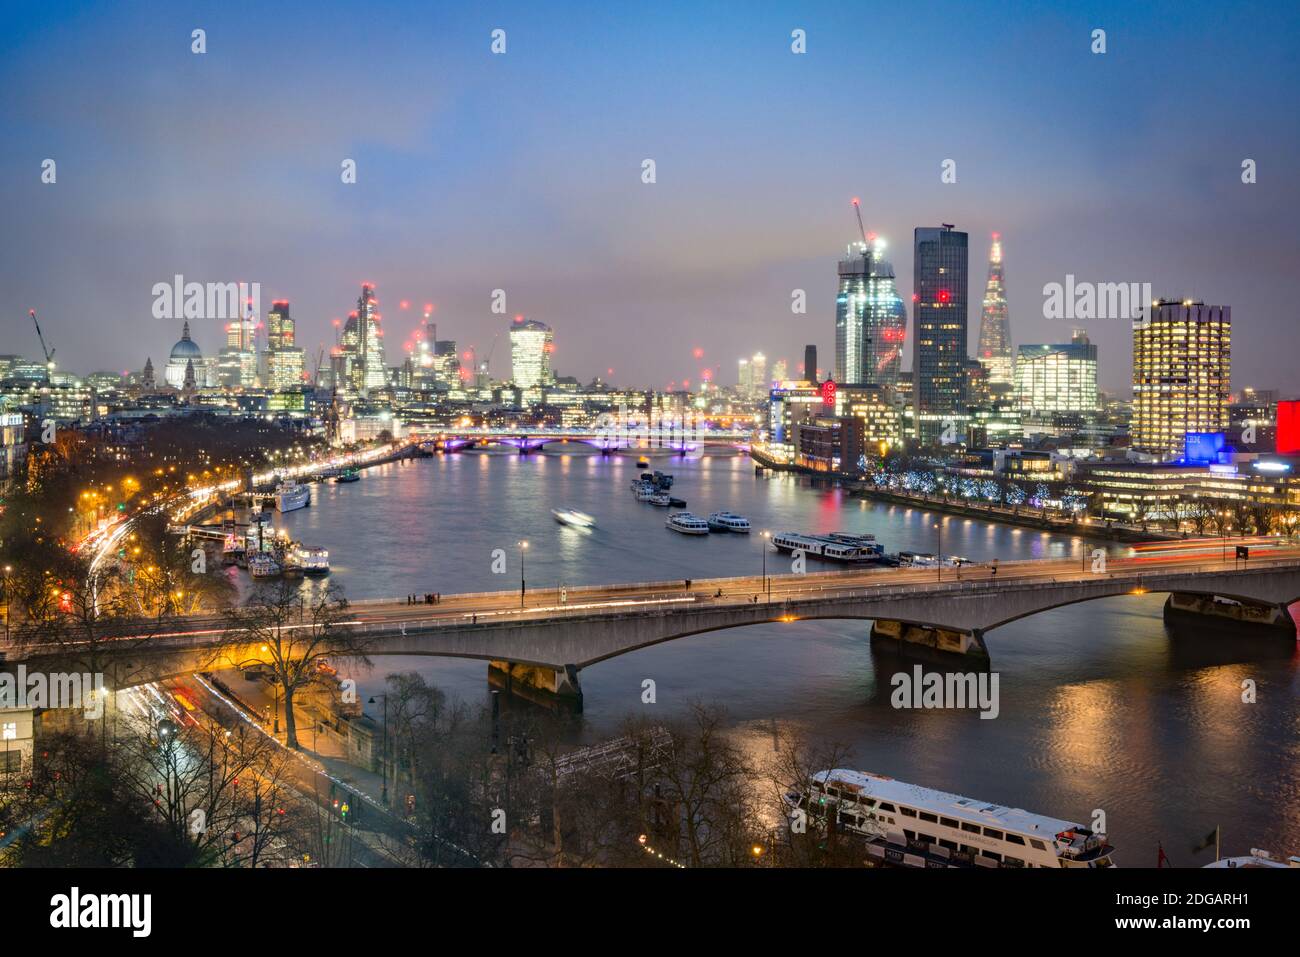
687, 524
662, 499
263, 565
308, 559
1256, 858
291, 495
836, 547
573, 518
728, 522
915, 826
645, 491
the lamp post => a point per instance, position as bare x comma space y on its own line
938, 527
8, 570
383, 761
523, 547
767, 587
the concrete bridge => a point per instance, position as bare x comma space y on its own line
606, 440
542, 646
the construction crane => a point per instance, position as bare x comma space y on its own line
49, 353
857, 208
487, 363
320, 357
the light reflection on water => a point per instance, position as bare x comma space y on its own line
1099, 707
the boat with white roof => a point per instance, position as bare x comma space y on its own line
913, 826
834, 547
687, 524
729, 522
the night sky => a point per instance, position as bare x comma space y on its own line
523, 171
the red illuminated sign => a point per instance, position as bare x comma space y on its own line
828, 392
1288, 428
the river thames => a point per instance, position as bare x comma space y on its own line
1100, 707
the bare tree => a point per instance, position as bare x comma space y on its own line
297, 632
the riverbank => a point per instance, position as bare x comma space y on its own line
1028, 518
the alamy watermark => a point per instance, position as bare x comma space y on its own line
1094, 300
58, 689
206, 300
950, 689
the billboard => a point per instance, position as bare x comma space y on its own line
1203, 448
1288, 427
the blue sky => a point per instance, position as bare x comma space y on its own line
522, 171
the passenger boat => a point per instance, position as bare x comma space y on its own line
662, 499
645, 492
263, 565
573, 518
291, 495
836, 547
687, 524
1256, 858
347, 475
232, 549
308, 560
728, 522
912, 826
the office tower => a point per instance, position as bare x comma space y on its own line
939, 290
810, 363
758, 376
1182, 356
994, 352
744, 379
531, 345
1056, 385
370, 371
870, 319
780, 370
279, 326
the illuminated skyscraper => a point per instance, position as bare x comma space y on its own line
1056, 385
372, 372
1182, 359
531, 345
279, 326
939, 287
758, 376
994, 352
870, 319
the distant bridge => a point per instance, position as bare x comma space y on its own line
542, 640
608, 440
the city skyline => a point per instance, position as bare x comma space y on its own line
451, 175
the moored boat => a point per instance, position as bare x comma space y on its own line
263, 565
307, 560
687, 524
291, 495
728, 522
347, 475
913, 826
836, 547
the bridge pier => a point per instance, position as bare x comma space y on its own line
1229, 616
945, 641
552, 687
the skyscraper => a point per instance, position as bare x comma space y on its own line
870, 319
758, 376
1182, 358
531, 345
1056, 385
810, 363
371, 372
279, 326
995, 327
939, 289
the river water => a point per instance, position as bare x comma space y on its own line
1100, 708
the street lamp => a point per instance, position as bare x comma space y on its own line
8, 570
384, 760
523, 547
767, 586
938, 527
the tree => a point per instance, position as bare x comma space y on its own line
298, 632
